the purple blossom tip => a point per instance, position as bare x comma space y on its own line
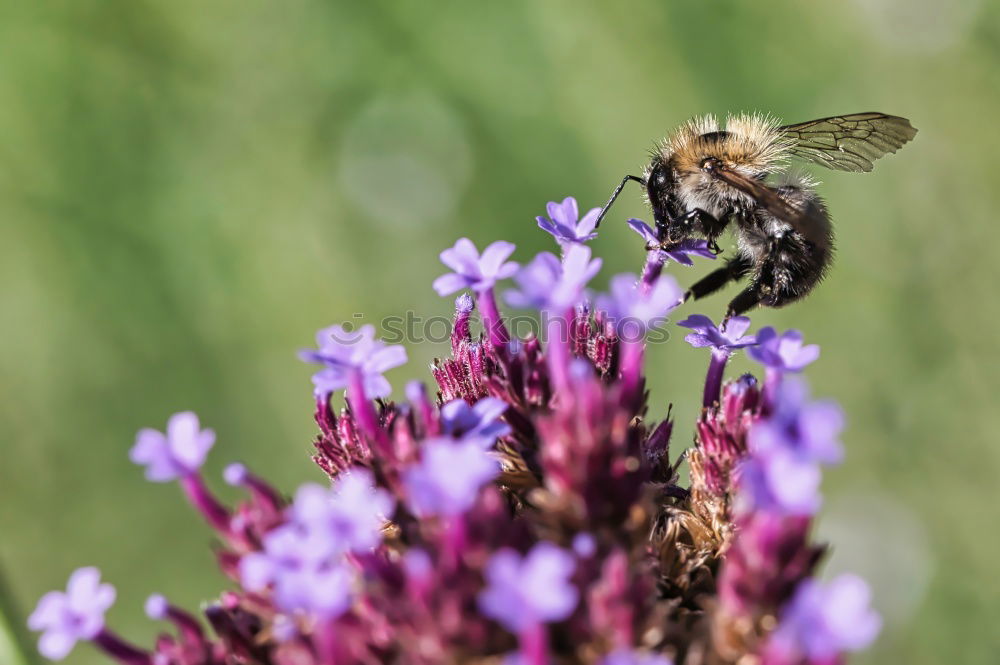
449, 476
235, 474
464, 304
706, 333
64, 618
565, 224
156, 607
179, 452
628, 306
823, 621
343, 351
472, 270
523, 592
584, 545
415, 391
784, 352
550, 284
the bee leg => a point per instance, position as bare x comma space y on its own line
735, 268
693, 222
700, 221
747, 299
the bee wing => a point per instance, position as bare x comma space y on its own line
848, 142
802, 221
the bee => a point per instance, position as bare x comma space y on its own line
703, 178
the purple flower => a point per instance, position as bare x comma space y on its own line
352, 512
810, 429
179, 452
472, 270
304, 569
782, 472
449, 475
524, 592
547, 283
680, 252
779, 481
564, 225
785, 352
481, 421
344, 351
627, 303
76, 614
823, 621
707, 333
629, 657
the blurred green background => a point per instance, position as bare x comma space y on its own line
188, 190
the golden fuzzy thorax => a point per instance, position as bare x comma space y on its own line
753, 145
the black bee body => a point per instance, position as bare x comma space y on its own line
703, 179
783, 265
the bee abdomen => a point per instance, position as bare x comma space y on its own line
788, 262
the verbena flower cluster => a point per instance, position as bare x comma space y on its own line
528, 512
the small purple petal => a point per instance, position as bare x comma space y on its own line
343, 351
449, 476
821, 622
525, 592
179, 452
707, 334
784, 352
64, 618
643, 230
472, 270
565, 224
546, 283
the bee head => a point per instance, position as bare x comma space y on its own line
661, 185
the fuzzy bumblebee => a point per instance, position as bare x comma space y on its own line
702, 178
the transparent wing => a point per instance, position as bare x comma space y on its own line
848, 142
803, 221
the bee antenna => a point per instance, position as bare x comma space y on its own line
614, 195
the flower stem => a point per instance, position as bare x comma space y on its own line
365, 416
534, 645
187, 626
713, 380
326, 641
655, 259
769, 393
631, 366
201, 498
558, 349
496, 330
455, 538
121, 650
